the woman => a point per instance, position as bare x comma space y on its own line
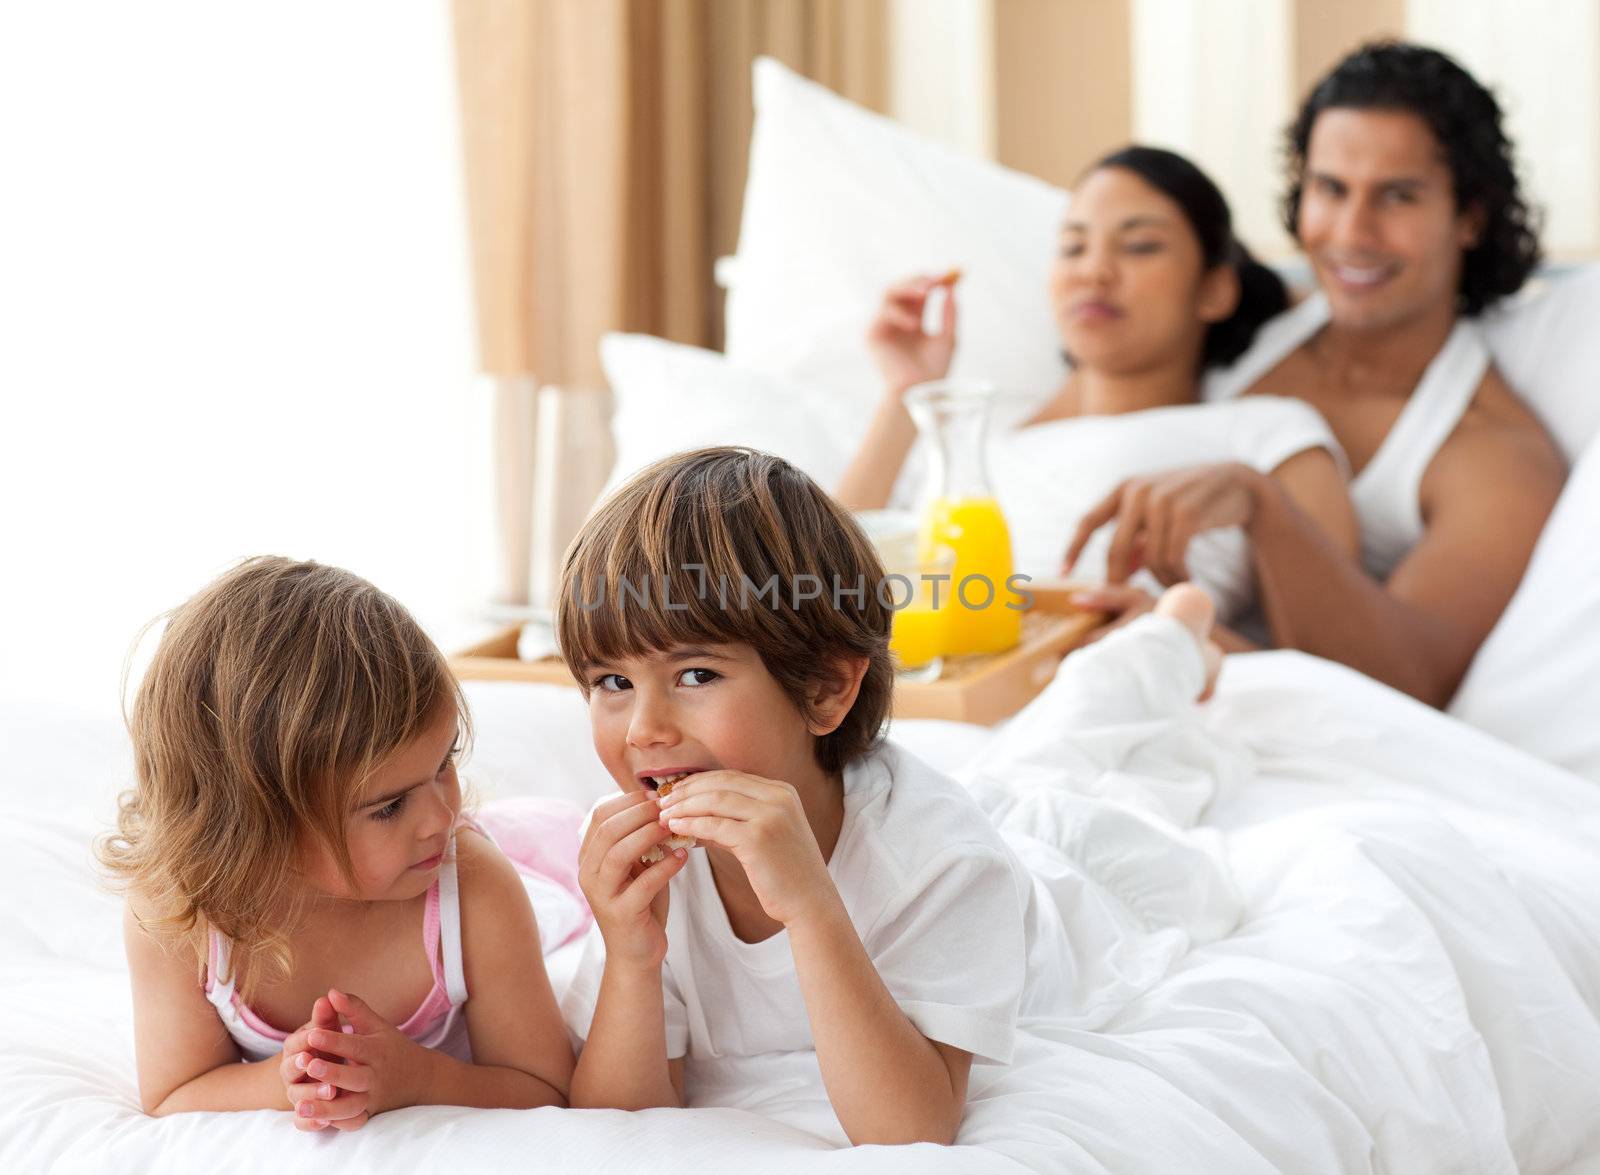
1404, 198
1149, 288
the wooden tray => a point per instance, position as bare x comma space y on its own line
981, 689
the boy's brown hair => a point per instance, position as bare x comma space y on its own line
273, 695
733, 546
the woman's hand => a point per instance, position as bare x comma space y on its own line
1158, 515
904, 353
380, 1064
762, 823
629, 899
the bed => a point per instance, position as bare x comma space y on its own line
1413, 982
1414, 985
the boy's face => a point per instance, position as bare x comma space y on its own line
696, 709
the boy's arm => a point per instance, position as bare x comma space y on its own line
186, 1060
888, 1083
624, 1063
521, 1054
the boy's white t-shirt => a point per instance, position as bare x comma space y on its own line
932, 890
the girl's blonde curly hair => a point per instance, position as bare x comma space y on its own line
272, 697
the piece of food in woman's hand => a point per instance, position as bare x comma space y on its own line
659, 852
950, 278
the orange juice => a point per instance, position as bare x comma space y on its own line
917, 635
975, 531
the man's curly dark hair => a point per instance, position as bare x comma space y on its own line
1465, 118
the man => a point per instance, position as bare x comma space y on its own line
1403, 197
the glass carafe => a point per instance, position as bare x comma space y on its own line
960, 513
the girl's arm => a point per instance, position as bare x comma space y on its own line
186, 1059
888, 1083
521, 1058
520, 1050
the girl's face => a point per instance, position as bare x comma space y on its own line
696, 709
1378, 218
1129, 285
399, 827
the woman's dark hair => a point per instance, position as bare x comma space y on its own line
1464, 117
1261, 291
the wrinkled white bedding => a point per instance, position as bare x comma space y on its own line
1414, 984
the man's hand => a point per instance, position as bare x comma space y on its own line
1157, 517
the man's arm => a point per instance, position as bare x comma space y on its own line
888, 1083
1485, 498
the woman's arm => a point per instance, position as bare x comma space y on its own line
906, 356
869, 479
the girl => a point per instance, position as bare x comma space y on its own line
303, 892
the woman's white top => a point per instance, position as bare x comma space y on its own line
1048, 476
1387, 494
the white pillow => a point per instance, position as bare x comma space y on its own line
840, 203
1547, 344
670, 397
1536, 681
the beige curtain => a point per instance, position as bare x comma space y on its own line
605, 144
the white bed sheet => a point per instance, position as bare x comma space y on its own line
1415, 985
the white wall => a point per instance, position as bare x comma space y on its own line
235, 310
1542, 59
941, 70
1212, 81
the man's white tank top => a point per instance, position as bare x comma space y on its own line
1387, 492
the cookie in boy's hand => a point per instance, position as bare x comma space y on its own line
659, 852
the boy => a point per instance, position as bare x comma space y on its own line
723, 617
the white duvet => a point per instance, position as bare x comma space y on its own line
1413, 983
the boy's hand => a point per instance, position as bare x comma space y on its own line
762, 823
380, 1065
325, 1104
629, 899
